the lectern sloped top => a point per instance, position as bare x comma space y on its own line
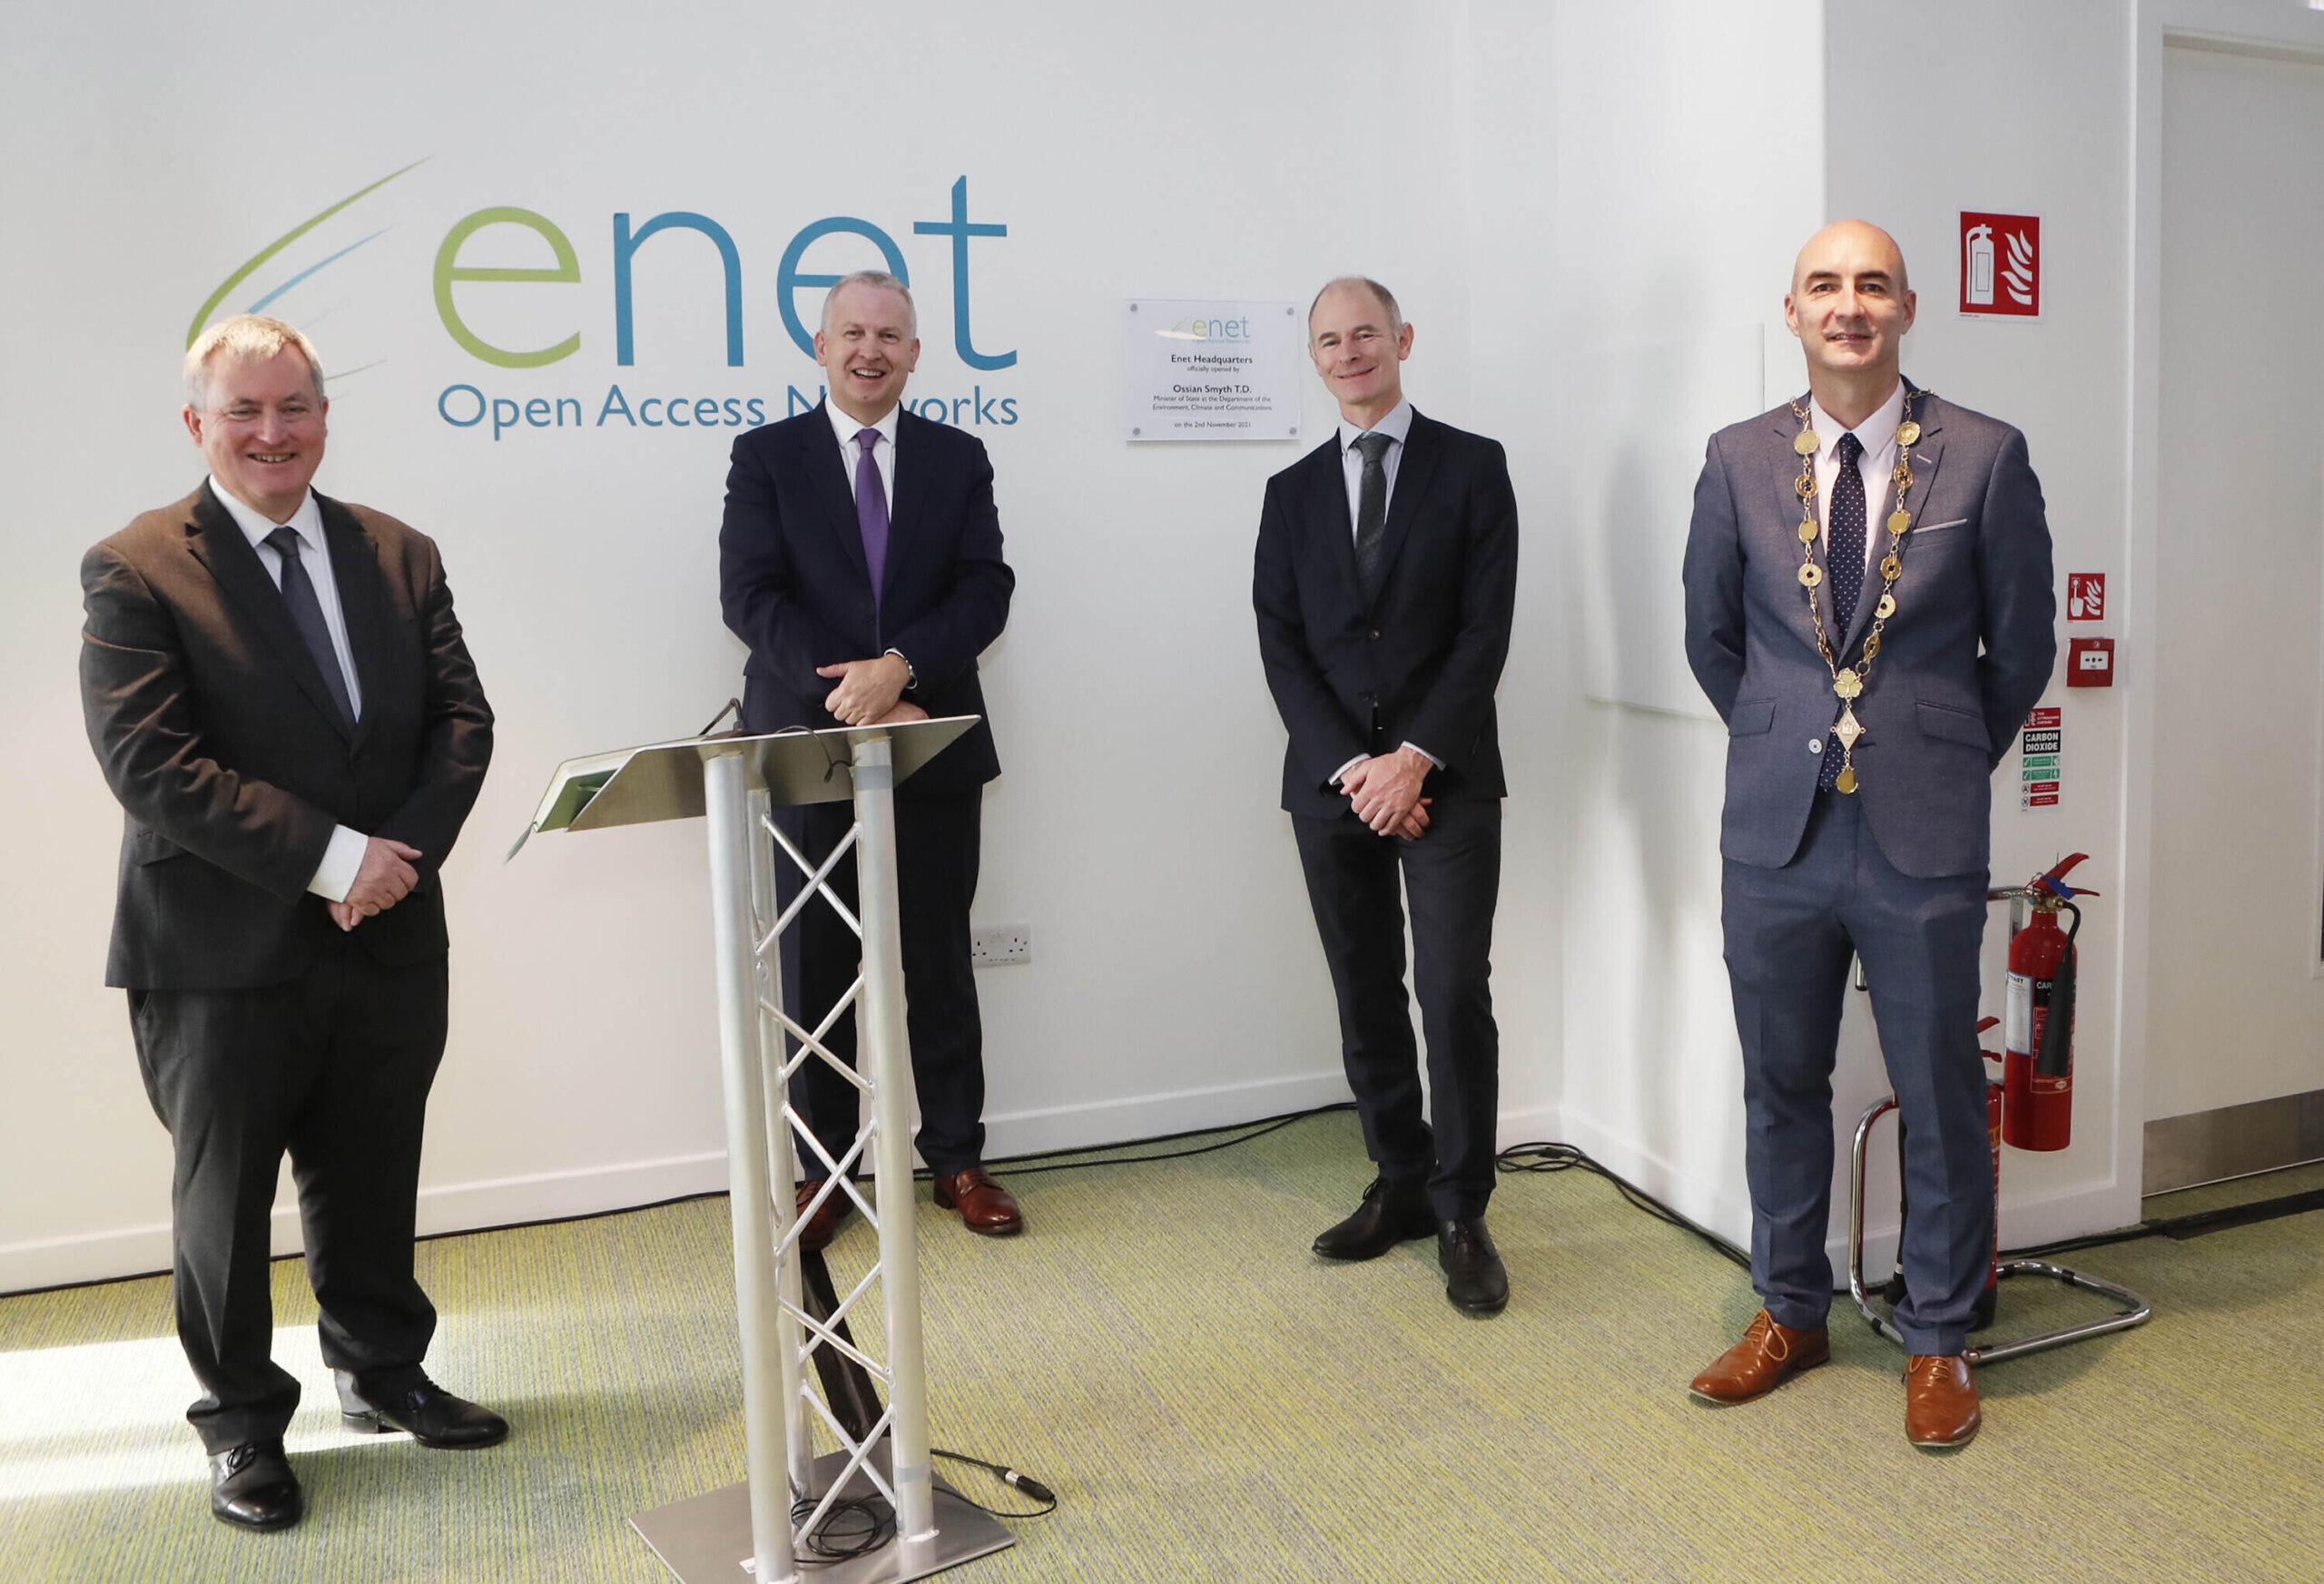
663, 780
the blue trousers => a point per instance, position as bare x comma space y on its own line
1790, 933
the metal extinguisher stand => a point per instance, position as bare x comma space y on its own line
760, 1528
2131, 1309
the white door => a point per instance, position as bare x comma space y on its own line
2234, 986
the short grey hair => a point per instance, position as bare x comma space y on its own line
1387, 300
249, 338
879, 278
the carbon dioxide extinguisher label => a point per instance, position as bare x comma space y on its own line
2017, 1016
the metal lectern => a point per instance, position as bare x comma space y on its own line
747, 1530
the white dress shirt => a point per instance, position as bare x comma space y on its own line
344, 857
884, 457
1396, 426
1877, 436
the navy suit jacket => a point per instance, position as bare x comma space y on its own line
796, 586
215, 729
1419, 662
1961, 662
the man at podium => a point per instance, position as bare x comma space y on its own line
279, 695
860, 559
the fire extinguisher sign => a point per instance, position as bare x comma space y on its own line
2001, 266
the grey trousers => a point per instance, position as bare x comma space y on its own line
1790, 933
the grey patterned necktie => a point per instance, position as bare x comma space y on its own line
1371, 511
307, 614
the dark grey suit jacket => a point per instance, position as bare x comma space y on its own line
1961, 662
215, 729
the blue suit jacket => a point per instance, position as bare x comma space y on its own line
1961, 662
794, 584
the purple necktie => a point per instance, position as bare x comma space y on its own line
872, 511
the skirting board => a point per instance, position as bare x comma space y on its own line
445, 1207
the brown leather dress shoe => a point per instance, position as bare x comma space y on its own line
985, 1207
1769, 1355
824, 1224
1940, 1401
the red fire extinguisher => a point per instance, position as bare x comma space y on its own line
2037, 1105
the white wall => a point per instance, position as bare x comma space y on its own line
1590, 212
1176, 978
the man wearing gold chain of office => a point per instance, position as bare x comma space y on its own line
1869, 608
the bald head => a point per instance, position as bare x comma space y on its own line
1851, 242
1850, 307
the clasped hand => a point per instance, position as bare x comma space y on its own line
1384, 791
384, 878
867, 691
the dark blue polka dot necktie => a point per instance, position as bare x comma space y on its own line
1843, 559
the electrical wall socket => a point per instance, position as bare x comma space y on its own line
997, 944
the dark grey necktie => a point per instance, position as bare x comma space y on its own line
1371, 510
307, 614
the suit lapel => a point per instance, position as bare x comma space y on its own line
1414, 471
1926, 454
1784, 475
836, 488
910, 495
217, 541
1327, 510
362, 595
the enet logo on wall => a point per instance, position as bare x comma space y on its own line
554, 381
2001, 265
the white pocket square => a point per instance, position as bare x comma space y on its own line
1932, 527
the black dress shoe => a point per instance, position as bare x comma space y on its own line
1474, 1277
1390, 1215
434, 1416
251, 1487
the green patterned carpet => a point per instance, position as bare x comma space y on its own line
1212, 1402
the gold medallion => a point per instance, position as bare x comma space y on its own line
1904, 476
1892, 568
1808, 532
1810, 574
1886, 608
1806, 484
1908, 433
1848, 729
1899, 521
1846, 782
1848, 684
1806, 442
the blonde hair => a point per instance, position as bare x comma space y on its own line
249, 338
879, 278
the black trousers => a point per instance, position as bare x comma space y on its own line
1452, 878
333, 1066
937, 849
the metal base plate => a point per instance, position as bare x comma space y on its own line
706, 1540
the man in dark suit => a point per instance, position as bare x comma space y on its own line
279, 693
1869, 609
857, 611
1386, 580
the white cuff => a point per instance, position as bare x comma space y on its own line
1343, 769
912, 677
1425, 754
342, 861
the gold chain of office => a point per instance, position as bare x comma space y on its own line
1848, 680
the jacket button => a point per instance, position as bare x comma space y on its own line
1375, 634
1815, 744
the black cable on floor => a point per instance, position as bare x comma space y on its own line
1259, 1129
1010, 1477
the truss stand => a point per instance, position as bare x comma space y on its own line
746, 1531
2131, 1309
